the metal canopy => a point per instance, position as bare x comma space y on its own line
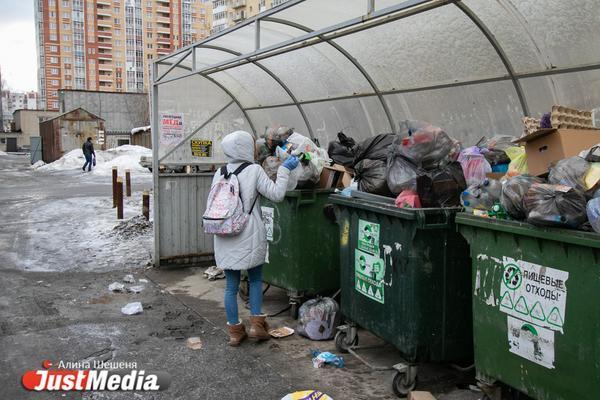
474, 67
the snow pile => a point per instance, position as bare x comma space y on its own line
132, 228
122, 157
3, 153
38, 164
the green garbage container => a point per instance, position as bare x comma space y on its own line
405, 278
536, 307
303, 245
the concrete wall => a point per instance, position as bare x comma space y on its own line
27, 122
121, 111
112, 140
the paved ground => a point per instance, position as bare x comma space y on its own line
59, 253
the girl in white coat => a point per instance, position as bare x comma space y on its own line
248, 250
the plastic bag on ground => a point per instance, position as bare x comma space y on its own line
518, 161
132, 308
320, 359
342, 150
481, 196
426, 145
555, 205
271, 164
513, 195
401, 174
569, 172
375, 148
441, 187
408, 199
371, 177
593, 213
318, 318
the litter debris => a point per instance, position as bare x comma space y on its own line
136, 288
142, 280
213, 273
132, 308
194, 343
419, 395
318, 318
128, 278
307, 394
132, 228
281, 332
320, 359
116, 287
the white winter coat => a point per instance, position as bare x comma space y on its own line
249, 248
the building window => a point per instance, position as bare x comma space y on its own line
54, 82
66, 15
66, 26
66, 49
52, 25
149, 35
55, 104
117, 21
117, 10
52, 14
66, 38
54, 60
53, 49
51, 3
117, 43
53, 36
149, 45
53, 71
65, 3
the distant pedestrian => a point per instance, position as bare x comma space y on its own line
88, 153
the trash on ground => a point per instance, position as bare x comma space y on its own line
281, 332
321, 359
306, 395
318, 318
128, 278
142, 280
132, 308
420, 395
116, 287
194, 343
132, 228
213, 273
136, 288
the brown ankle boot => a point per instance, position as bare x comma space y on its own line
237, 334
259, 329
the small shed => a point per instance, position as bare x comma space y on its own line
142, 136
67, 132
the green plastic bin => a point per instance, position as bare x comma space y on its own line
405, 278
303, 245
536, 307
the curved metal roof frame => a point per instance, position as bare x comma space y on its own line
327, 35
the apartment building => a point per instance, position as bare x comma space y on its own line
13, 101
229, 12
109, 45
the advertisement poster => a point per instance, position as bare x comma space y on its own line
171, 128
201, 148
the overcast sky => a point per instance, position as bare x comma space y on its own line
17, 44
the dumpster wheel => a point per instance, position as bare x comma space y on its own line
341, 341
401, 385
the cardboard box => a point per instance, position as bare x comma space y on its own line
419, 395
335, 176
548, 146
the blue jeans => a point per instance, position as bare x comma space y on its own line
231, 290
88, 161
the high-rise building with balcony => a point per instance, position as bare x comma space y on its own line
229, 12
108, 45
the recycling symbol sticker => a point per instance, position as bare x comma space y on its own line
512, 276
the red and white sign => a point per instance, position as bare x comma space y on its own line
171, 128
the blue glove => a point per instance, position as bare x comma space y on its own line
291, 162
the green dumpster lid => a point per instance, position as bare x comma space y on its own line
305, 192
587, 239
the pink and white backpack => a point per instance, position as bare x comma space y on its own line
224, 215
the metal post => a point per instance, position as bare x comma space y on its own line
146, 205
257, 34
119, 198
114, 185
156, 163
370, 6
193, 58
128, 182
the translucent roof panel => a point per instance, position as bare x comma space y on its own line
252, 86
206, 57
438, 46
318, 72
580, 90
241, 40
467, 113
182, 68
276, 117
229, 120
359, 118
195, 99
319, 14
272, 33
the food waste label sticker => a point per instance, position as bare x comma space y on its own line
368, 275
531, 342
268, 214
368, 237
534, 293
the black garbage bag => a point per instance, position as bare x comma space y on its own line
371, 177
555, 205
513, 195
569, 172
426, 145
441, 187
318, 318
342, 150
401, 174
375, 148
